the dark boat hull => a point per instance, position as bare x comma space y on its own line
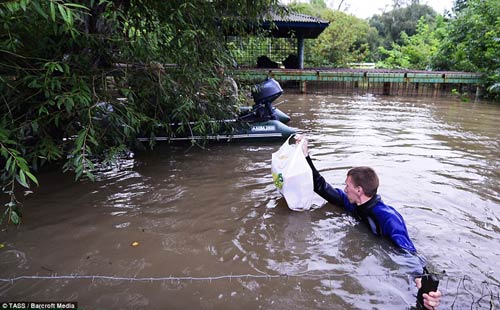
271, 129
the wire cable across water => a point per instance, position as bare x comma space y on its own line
208, 278
485, 295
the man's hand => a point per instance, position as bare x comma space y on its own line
432, 299
305, 147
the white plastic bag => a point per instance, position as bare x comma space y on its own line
293, 177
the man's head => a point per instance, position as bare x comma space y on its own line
361, 184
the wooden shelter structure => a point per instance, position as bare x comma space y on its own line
295, 25
284, 35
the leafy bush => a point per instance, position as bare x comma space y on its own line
64, 66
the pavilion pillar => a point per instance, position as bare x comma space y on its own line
300, 49
300, 56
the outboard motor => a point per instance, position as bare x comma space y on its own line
269, 90
263, 95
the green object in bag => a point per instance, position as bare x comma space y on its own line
278, 180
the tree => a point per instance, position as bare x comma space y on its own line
472, 43
64, 65
458, 5
391, 24
313, 8
344, 41
318, 4
417, 51
347, 38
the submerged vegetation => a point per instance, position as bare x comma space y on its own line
64, 66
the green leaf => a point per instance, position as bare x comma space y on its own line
93, 140
78, 6
90, 175
34, 84
23, 3
52, 11
7, 166
22, 179
21, 163
14, 217
43, 110
80, 139
32, 177
58, 67
39, 9
64, 14
69, 104
70, 17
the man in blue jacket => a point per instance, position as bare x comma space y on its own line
360, 199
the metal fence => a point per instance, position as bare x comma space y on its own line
326, 81
255, 52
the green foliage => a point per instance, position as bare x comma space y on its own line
473, 41
16, 171
313, 8
63, 66
347, 39
390, 25
417, 51
344, 41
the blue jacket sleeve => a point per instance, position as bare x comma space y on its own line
394, 227
333, 195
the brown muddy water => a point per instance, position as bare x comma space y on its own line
213, 232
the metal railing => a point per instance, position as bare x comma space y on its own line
375, 81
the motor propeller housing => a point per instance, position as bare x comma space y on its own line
267, 91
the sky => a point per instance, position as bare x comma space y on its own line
367, 8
